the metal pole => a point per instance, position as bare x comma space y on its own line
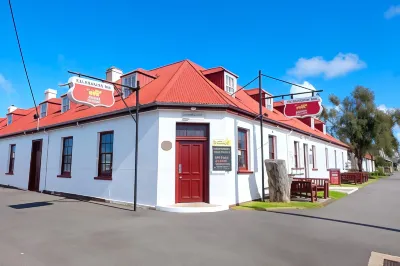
136, 146
262, 136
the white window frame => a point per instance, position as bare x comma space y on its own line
43, 105
335, 158
9, 119
314, 156
326, 158
296, 154
129, 80
231, 87
64, 105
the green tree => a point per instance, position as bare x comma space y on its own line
356, 121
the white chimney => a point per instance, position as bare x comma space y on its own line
113, 74
11, 109
50, 94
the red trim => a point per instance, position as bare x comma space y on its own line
244, 171
9, 173
245, 150
103, 177
64, 176
315, 169
192, 138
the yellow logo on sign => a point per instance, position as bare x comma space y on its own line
220, 142
95, 93
300, 107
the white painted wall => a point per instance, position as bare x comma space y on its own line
231, 187
156, 171
85, 160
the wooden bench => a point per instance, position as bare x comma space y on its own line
305, 189
321, 183
354, 177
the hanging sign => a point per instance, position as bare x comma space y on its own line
222, 155
303, 107
91, 93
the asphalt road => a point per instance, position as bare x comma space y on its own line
68, 232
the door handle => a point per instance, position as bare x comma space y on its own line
180, 177
180, 169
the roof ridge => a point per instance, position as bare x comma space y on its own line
180, 61
212, 85
169, 83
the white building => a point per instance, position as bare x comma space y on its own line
184, 110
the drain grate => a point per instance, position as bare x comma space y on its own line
390, 263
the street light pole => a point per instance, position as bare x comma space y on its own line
261, 98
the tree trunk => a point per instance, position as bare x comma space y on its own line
359, 162
278, 181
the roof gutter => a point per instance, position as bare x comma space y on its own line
155, 105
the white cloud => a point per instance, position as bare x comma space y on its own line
6, 85
340, 65
392, 12
295, 89
384, 108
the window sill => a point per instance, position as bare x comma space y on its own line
12, 173
297, 168
244, 172
103, 177
64, 176
315, 169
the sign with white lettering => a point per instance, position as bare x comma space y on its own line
91, 93
222, 158
303, 107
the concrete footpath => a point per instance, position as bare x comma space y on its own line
37, 229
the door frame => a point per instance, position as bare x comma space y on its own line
206, 160
30, 167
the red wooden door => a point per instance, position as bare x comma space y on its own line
190, 171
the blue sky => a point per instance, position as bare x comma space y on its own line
333, 45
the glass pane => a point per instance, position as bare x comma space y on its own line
103, 158
103, 148
70, 142
241, 160
107, 167
187, 130
109, 148
108, 158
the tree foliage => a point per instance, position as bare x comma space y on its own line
356, 121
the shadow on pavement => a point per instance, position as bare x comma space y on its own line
30, 205
339, 221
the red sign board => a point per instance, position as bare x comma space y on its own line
90, 92
334, 176
303, 107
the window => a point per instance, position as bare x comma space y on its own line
12, 159
272, 146
314, 157
296, 154
128, 81
43, 110
106, 154
242, 149
9, 119
326, 158
66, 156
229, 84
65, 104
335, 160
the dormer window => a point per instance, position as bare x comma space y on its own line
128, 81
65, 104
43, 110
229, 84
9, 119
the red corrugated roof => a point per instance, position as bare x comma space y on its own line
255, 91
180, 82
